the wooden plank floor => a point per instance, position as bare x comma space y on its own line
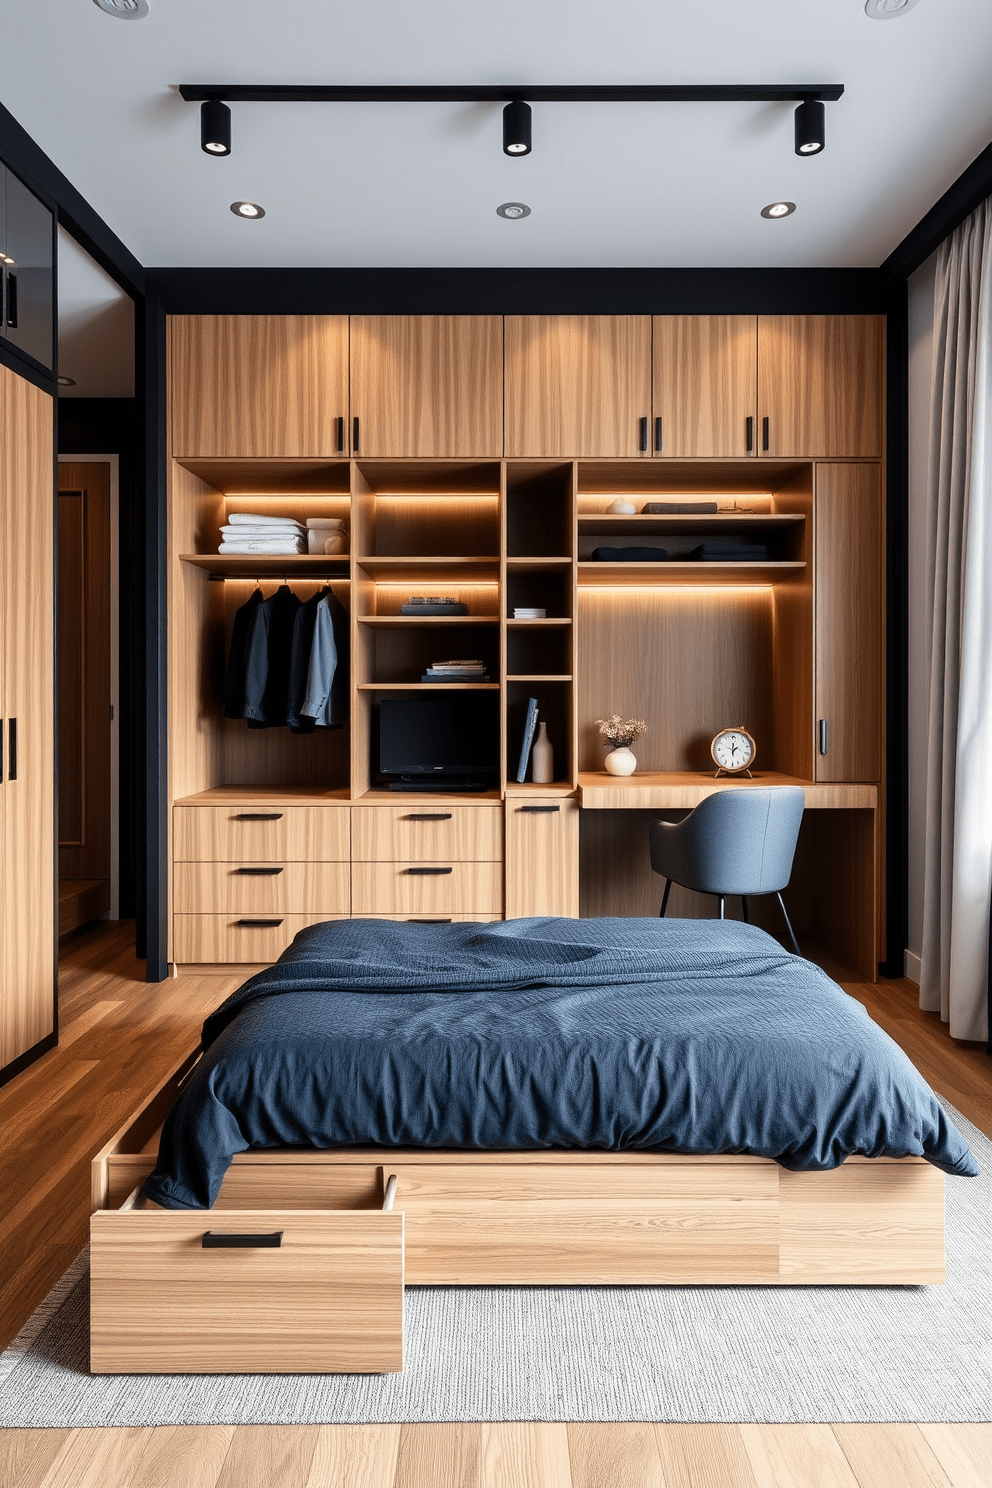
120, 1036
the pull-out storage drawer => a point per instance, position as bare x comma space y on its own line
322, 890
244, 833
542, 856
429, 834
426, 888
238, 937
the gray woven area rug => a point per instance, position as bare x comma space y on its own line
586, 1354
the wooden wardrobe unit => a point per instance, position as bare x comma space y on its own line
488, 452
27, 750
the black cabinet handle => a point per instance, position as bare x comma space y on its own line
354, 435
657, 436
431, 922
12, 749
429, 816
644, 433
259, 924
749, 422
259, 816
258, 872
11, 299
540, 808
1, 751
823, 736
340, 428
217, 1240
430, 870
764, 434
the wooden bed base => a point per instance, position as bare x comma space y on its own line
301, 1264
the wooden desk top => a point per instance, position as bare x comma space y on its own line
650, 790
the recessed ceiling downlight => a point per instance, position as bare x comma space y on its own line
888, 10
251, 210
124, 10
778, 209
513, 210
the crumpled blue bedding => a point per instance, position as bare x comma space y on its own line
697, 1036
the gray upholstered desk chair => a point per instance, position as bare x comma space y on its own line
734, 842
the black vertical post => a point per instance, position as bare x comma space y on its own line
897, 631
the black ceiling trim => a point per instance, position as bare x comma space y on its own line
958, 202
27, 368
467, 291
503, 93
27, 160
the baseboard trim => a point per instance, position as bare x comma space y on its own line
912, 966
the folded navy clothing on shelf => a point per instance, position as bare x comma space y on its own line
630, 555
722, 552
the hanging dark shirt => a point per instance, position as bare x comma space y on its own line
234, 688
299, 663
267, 660
326, 698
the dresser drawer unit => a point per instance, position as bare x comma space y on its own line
426, 888
237, 937
251, 833
314, 889
444, 833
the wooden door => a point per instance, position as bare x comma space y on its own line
820, 385
259, 385
849, 634
578, 385
704, 385
84, 685
427, 385
27, 825
542, 856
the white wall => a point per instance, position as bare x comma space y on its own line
921, 307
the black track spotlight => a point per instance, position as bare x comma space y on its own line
215, 127
516, 128
810, 119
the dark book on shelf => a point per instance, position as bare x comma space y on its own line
530, 728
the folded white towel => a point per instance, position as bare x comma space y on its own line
276, 549
251, 534
250, 519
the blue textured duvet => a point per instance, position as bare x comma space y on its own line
676, 1035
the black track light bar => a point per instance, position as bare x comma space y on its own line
532, 93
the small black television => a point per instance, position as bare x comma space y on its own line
439, 742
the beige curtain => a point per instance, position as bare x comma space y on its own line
958, 862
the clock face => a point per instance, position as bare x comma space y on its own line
733, 749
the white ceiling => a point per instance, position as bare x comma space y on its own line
417, 184
96, 327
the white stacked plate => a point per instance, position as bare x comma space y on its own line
529, 614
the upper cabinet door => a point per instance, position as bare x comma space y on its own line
820, 385
427, 385
705, 385
578, 386
259, 385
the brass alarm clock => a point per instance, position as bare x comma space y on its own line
733, 751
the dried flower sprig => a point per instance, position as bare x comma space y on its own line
621, 732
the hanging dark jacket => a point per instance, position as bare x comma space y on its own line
234, 687
267, 660
326, 699
299, 663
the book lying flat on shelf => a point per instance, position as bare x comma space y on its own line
530, 729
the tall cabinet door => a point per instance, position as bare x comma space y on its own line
427, 385
578, 386
820, 385
704, 384
542, 856
849, 639
259, 385
27, 826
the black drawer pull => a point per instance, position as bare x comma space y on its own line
258, 872
429, 816
259, 924
540, 808
643, 436
12, 749
217, 1240
657, 436
749, 427
354, 435
259, 816
764, 434
340, 424
430, 870
431, 922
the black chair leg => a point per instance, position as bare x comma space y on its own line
744, 912
788, 925
664, 902
720, 897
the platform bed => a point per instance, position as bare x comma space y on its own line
301, 1264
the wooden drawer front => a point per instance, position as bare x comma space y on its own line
604, 1226
427, 834
328, 1299
320, 889
542, 857
227, 937
262, 834
403, 888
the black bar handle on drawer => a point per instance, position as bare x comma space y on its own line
258, 872
259, 816
429, 816
217, 1240
259, 924
643, 439
429, 870
749, 426
540, 808
12, 749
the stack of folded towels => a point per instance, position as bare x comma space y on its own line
245, 533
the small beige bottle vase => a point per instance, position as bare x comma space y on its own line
544, 757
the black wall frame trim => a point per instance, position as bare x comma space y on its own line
958, 202
897, 633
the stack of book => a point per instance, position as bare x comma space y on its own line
456, 671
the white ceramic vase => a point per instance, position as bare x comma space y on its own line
543, 757
620, 762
